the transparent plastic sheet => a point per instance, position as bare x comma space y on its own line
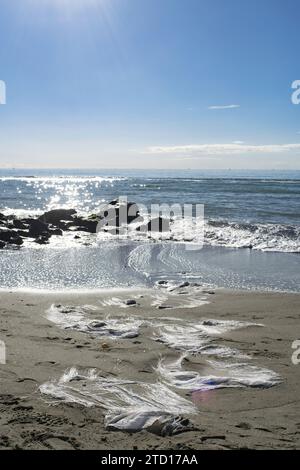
131, 405
192, 336
78, 318
215, 375
197, 337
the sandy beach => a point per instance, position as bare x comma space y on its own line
40, 350
149, 229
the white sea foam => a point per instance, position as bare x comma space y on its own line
261, 237
264, 237
63, 179
130, 405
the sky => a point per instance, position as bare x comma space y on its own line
149, 84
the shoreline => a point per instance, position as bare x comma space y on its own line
91, 292
39, 350
114, 265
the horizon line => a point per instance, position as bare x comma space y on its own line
147, 169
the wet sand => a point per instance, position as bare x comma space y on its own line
38, 350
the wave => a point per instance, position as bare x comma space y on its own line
64, 179
264, 237
214, 232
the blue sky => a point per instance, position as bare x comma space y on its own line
149, 83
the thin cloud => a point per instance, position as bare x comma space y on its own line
221, 149
227, 106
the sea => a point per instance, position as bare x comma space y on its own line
250, 237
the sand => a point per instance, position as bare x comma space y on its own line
38, 350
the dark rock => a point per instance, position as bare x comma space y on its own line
17, 241
10, 236
85, 225
112, 231
114, 202
209, 323
56, 231
17, 223
23, 233
130, 302
36, 227
94, 217
6, 235
118, 213
184, 284
3, 217
133, 213
54, 217
42, 240
2, 245
97, 324
245, 426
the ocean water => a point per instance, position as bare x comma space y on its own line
251, 231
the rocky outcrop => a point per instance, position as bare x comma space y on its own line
84, 224
55, 217
11, 237
110, 219
36, 228
118, 213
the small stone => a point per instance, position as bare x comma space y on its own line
209, 323
99, 324
245, 426
184, 284
130, 302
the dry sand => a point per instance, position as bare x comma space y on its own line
38, 350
